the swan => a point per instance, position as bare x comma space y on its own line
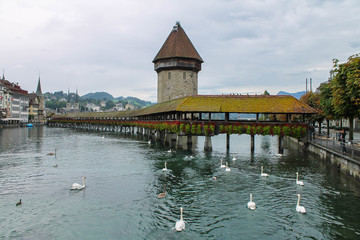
221, 164
169, 151
227, 167
77, 186
51, 154
180, 224
165, 168
262, 172
299, 208
163, 194
251, 205
301, 183
149, 142
19, 203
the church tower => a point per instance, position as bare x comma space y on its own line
177, 65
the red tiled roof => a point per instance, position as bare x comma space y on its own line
177, 45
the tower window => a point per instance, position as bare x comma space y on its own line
169, 75
184, 75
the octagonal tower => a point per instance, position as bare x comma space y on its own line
177, 65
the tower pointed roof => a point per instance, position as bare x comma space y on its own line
38, 90
177, 45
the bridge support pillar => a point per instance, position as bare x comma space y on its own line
281, 147
252, 143
227, 142
179, 142
189, 142
207, 144
158, 135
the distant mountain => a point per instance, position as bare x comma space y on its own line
297, 95
98, 95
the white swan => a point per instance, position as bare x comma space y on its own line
227, 167
301, 183
180, 224
165, 168
221, 164
262, 172
149, 142
169, 151
77, 186
163, 194
251, 205
299, 208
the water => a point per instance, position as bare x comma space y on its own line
124, 176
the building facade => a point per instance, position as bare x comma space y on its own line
14, 102
177, 65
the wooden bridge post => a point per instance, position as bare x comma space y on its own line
189, 142
252, 143
207, 144
281, 148
227, 142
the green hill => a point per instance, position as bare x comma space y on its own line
98, 95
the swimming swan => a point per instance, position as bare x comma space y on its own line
262, 172
221, 164
165, 168
299, 208
163, 194
77, 186
180, 224
51, 154
251, 205
301, 183
227, 167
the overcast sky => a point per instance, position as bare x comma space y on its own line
108, 45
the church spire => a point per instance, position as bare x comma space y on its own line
38, 90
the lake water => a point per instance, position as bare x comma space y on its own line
124, 176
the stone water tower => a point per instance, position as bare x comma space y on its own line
177, 65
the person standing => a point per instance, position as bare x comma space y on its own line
342, 140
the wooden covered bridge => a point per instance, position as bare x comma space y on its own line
176, 122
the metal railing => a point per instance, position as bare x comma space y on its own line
350, 149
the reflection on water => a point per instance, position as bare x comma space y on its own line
124, 176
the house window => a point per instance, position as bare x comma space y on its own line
169, 75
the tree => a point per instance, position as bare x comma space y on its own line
313, 100
326, 103
346, 89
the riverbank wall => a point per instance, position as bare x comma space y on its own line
343, 163
16, 125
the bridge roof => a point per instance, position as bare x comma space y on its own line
270, 104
